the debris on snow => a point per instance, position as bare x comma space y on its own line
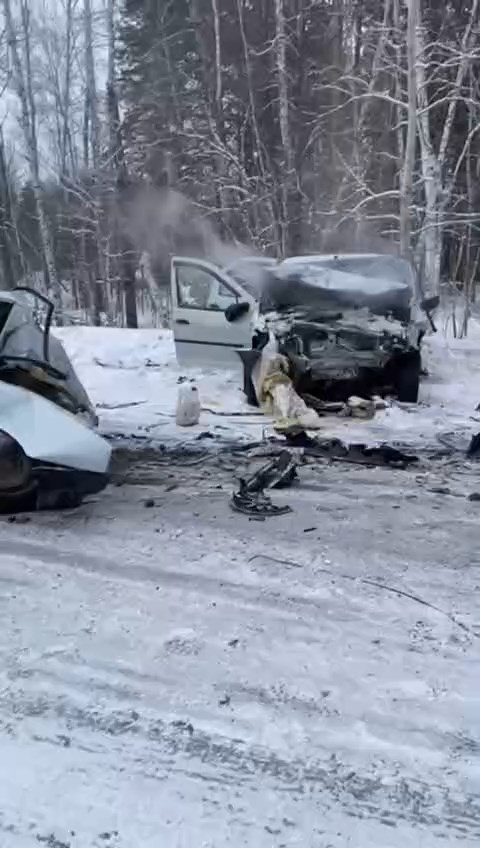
474, 446
251, 499
276, 474
359, 454
359, 407
256, 504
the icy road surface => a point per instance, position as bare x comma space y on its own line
174, 675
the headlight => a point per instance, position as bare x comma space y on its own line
14, 464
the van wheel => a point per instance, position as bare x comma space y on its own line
408, 381
249, 391
11, 504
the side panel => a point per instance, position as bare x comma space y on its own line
203, 336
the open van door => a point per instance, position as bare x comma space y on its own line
200, 294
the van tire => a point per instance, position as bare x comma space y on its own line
408, 380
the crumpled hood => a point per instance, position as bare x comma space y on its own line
311, 291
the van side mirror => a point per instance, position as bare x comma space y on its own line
236, 311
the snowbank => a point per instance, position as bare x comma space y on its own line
133, 376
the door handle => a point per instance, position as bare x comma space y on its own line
182, 321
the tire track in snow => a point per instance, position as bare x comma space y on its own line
378, 792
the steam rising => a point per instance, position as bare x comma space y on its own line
164, 223
161, 223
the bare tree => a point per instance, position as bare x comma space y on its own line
119, 236
24, 87
91, 100
437, 184
284, 118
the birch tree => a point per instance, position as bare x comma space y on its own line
438, 184
23, 82
284, 120
8, 278
407, 151
91, 99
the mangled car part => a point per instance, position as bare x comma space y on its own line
348, 326
276, 474
292, 413
49, 454
335, 450
281, 471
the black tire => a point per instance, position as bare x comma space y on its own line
249, 391
12, 504
408, 381
248, 359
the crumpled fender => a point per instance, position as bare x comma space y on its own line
49, 433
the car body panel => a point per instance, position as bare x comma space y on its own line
200, 294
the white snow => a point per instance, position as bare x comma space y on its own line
165, 683
120, 367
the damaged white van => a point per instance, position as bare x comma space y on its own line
349, 324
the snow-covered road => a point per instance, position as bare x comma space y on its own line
181, 677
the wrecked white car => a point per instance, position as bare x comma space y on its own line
350, 324
50, 455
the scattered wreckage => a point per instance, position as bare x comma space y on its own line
50, 454
310, 331
281, 469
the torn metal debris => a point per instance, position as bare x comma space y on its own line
256, 504
335, 450
276, 474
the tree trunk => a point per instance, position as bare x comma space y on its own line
120, 239
66, 136
431, 240
91, 85
289, 177
406, 189
7, 281
438, 189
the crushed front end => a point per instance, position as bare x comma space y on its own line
50, 454
348, 326
349, 354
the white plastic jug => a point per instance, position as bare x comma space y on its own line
188, 405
